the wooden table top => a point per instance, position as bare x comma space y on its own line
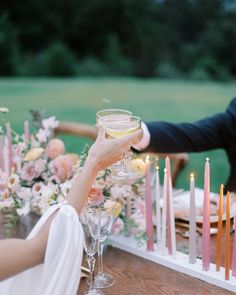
137, 276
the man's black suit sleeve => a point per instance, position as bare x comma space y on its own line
214, 132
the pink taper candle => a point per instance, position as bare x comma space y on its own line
227, 238
10, 150
234, 251
1, 153
149, 223
192, 222
219, 234
158, 209
163, 233
26, 131
171, 238
206, 219
168, 207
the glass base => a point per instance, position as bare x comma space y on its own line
103, 281
94, 292
121, 175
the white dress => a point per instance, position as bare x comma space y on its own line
60, 273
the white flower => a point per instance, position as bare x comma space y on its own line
13, 181
126, 190
6, 203
42, 135
50, 123
24, 210
24, 193
65, 187
4, 110
116, 192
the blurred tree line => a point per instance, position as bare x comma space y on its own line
146, 38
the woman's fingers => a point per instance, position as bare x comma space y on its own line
101, 132
131, 138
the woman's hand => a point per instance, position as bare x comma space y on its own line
105, 152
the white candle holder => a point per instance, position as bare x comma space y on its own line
179, 263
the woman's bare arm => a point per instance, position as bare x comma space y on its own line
17, 255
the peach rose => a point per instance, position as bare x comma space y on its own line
62, 167
95, 196
55, 148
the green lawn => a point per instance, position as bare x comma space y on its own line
79, 99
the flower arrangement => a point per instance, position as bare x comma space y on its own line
43, 173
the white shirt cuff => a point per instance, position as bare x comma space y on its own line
145, 140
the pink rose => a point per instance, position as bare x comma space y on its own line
29, 172
40, 165
3, 181
55, 148
62, 167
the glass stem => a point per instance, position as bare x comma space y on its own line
100, 257
125, 162
91, 263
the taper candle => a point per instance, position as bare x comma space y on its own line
163, 233
172, 248
26, 131
192, 222
149, 222
158, 209
10, 150
206, 219
227, 238
168, 217
5, 153
219, 233
128, 212
1, 153
234, 251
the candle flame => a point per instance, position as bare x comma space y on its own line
147, 158
192, 175
165, 170
207, 159
157, 167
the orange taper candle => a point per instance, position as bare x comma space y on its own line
227, 238
219, 234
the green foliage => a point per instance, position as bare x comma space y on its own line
116, 62
8, 46
56, 60
193, 39
92, 66
212, 70
78, 99
167, 70
84, 154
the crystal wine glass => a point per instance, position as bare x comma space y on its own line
118, 129
109, 211
89, 220
113, 115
